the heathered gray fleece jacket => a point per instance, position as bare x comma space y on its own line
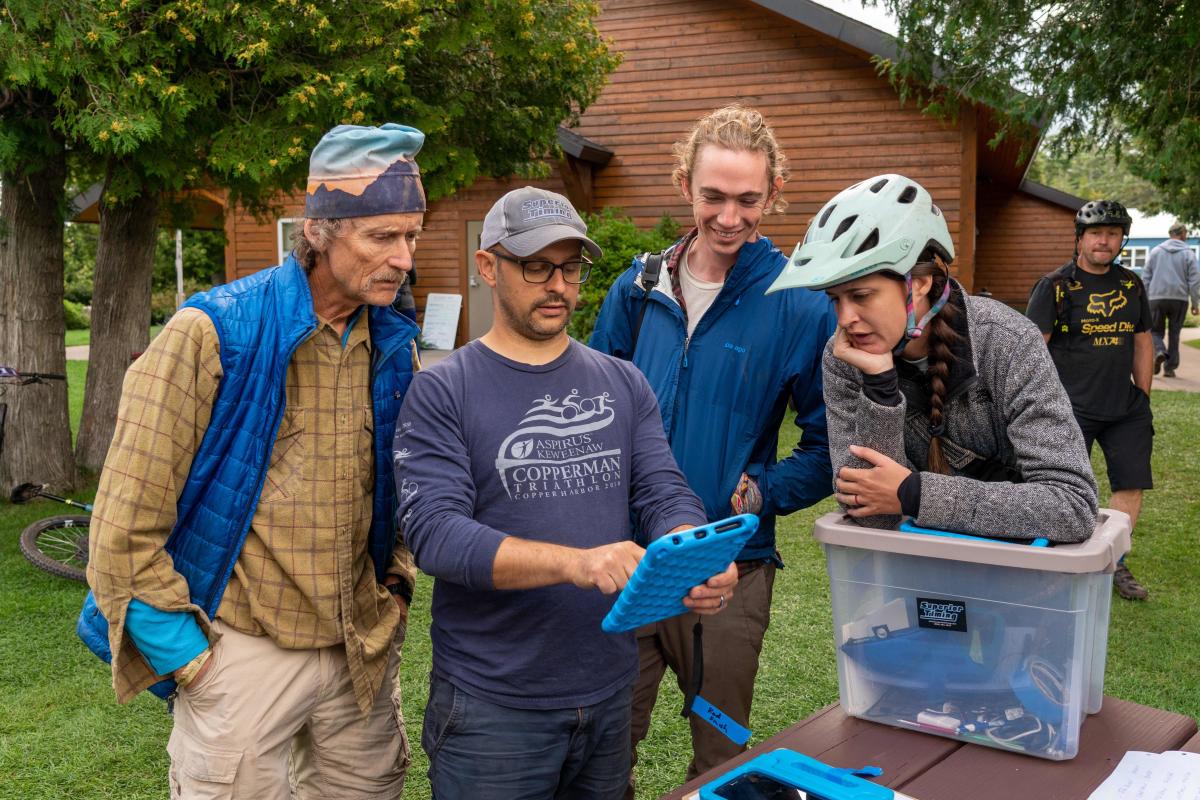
1171, 273
1005, 406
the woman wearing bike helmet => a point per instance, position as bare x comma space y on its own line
942, 407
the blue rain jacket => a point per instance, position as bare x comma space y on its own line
723, 392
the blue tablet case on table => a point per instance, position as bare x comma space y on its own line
672, 565
779, 773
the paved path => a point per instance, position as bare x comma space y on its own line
1187, 377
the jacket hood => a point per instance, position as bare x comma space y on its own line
1174, 245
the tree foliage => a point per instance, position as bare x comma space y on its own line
1121, 78
1093, 174
620, 240
153, 97
163, 95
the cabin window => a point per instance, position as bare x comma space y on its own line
1134, 257
284, 230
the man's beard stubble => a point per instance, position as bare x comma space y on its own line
523, 323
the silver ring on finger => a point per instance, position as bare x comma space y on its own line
721, 603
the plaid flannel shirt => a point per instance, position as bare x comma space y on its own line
303, 576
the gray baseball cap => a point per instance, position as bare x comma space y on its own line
527, 219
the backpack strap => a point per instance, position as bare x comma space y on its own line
651, 270
1060, 280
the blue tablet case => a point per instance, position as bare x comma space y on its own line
672, 565
787, 767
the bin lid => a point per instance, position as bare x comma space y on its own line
1100, 553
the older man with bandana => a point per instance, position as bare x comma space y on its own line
243, 545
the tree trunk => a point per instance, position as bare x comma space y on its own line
37, 428
120, 317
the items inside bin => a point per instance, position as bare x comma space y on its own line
980, 683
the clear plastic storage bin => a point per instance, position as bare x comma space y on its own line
989, 642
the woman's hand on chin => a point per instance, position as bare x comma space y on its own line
867, 363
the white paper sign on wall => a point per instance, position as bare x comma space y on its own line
441, 320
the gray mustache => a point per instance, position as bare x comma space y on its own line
393, 275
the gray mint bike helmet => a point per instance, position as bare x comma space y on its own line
1102, 212
885, 223
882, 223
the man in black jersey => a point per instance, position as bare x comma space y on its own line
1096, 319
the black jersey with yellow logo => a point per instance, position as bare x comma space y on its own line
1091, 336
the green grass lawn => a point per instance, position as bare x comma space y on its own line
63, 735
76, 338
76, 379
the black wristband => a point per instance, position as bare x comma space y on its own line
909, 495
882, 389
401, 588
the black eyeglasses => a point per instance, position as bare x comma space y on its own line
538, 270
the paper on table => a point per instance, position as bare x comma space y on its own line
1173, 775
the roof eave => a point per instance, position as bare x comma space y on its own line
847, 30
1052, 195
583, 148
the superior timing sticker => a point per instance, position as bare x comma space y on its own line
946, 615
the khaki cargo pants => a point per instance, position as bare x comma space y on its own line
273, 724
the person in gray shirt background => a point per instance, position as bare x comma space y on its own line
1172, 277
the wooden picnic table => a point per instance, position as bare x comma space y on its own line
932, 768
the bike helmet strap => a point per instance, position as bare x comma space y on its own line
915, 329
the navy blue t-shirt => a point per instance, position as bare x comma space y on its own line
562, 452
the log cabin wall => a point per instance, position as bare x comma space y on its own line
837, 121
443, 252
1021, 238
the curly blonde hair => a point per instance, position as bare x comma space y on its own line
734, 127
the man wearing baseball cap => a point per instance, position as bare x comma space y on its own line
244, 556
519, 459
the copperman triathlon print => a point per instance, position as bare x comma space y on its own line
560, 448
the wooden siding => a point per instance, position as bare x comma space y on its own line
837, 121
1021, 238
442, 252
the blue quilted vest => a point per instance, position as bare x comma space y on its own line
260, 321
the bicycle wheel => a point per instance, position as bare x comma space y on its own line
58, 545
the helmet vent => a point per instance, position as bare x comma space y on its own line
844, 225
869, 243
908, 195
825, 216
802, 261
879, 184
937, 212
